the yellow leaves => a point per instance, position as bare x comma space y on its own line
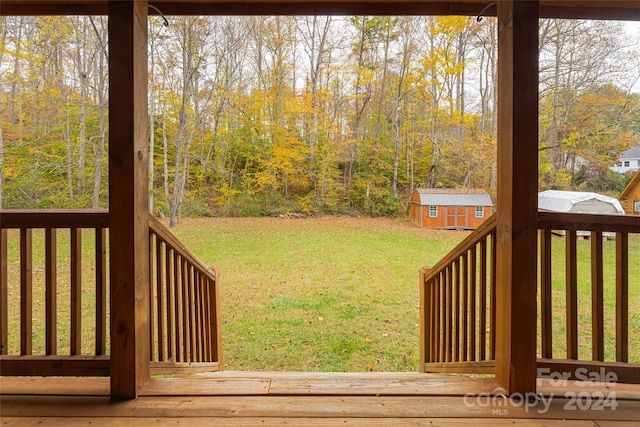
367, 340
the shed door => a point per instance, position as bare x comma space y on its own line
456, 217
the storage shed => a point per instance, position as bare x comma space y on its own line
630, 196
448, 208
578, 202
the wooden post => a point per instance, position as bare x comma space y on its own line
517, 195
128, 197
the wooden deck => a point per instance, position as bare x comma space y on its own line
257, 398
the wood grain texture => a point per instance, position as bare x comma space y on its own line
300, 398
54, 218
571, 293
26, 291
566, 9
75, 293
622, 297
545, 294
51, 293
597, 297
516, 273
4, 293
101, 291
128, 197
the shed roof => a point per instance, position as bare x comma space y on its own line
564, 201
631, 153
453, 197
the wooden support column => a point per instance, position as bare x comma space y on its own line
517, 195
128, 197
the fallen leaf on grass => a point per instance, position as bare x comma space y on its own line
367, 340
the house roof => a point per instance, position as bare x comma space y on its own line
453, 197
631, 153
564, 201
635, 180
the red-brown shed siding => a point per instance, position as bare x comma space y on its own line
448, 217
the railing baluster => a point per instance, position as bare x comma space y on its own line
482, 327
177, 278
429, 289
572, 294
26, 293
465, 306
203, 317
198, 314
545, 294
472, 302
76, 291
185, 310
152, 355
192, 312
425, 338
4, 293
51, 319
170, 283
492, 283
457, 284
597, 297
449, 324
622, 297
159, 299
439, 318
101, 291
207, 323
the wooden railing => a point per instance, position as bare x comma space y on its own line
454, 295
607, 275
44, 341
185, 320
457, 296
54, 316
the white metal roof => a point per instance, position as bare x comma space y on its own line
453, 197
578, 202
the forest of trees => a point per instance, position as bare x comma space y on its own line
260, 115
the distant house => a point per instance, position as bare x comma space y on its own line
630, 196
629, 161
450, 208
578, 202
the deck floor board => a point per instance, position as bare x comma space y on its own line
263, 398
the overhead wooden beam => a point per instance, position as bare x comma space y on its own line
128, 197
570, 9
517, 193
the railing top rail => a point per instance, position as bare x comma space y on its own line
588, 222
479, 233
160, 230
54, 218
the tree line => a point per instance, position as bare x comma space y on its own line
318, 114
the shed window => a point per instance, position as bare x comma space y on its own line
433, 212
479, 211
626, 163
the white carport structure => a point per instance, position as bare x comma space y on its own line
578, 202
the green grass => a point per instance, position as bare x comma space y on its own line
331, 294
324, 294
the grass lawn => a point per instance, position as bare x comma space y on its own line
321, 294
325, 294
